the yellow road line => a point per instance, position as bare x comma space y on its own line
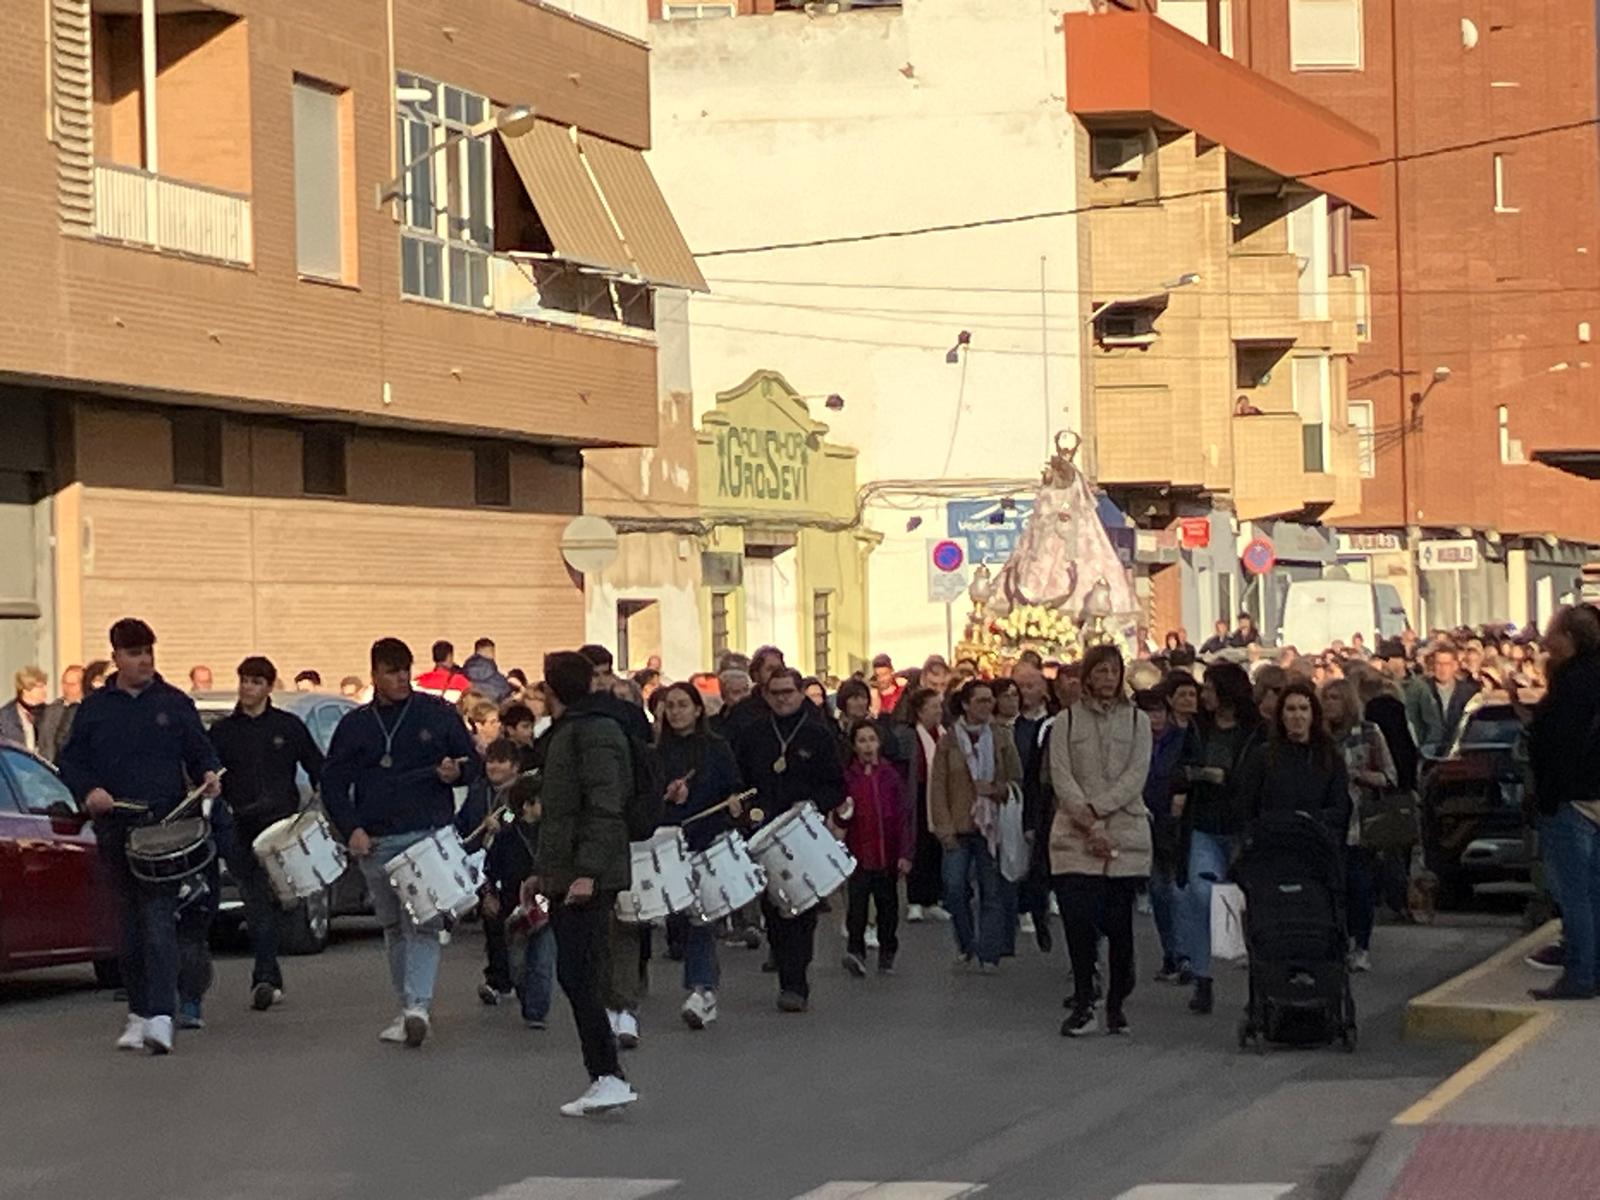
1533, 1024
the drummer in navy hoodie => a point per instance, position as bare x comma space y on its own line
878, 830
388, 784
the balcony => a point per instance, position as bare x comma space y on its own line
1265, 305
137, 207
1148, 434
1269, 476
558, 294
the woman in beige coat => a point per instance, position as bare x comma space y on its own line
1100, 834
973, 768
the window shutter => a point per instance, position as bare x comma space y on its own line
72, 114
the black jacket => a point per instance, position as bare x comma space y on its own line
1280, 776
55, 727
1564, 736
261, 754
812, 768
716, 777
1389, 714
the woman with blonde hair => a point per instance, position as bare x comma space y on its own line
19, 719
1369, 768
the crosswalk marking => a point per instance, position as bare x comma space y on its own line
1208, 1191
550, 1187
908, 1190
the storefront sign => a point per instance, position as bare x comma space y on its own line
1448, 554
762, 464
1377, 541
1258, 557
1194, 532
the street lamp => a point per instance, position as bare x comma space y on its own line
512, 121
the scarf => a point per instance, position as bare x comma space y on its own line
977, 747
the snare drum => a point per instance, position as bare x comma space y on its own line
300, 855
663, 880
804, 863
726, 877
170, 852
434, 878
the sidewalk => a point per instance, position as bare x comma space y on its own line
1519, 1122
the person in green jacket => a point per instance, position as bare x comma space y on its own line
583, 862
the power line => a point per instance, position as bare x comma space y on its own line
857, 285
1160, 198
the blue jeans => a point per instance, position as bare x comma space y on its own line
1209, 854
1570, 843
536, 980
1163, 906
149, 945
700, 957
971, 858
413, 953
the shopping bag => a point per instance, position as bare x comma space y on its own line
1015, 854
1227, 921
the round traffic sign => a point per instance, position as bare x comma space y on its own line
1259, 556
589, 544
948, 556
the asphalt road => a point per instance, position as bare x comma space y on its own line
925, 1076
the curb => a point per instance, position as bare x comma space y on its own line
1435, 1014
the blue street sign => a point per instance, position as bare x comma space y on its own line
989, 528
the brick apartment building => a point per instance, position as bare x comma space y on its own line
1487, 265
245, 398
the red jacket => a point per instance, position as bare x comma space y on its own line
440, 680
878, 831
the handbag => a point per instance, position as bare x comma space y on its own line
1016, 855
1391, 819
1227, 922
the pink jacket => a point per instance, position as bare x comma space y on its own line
879, 830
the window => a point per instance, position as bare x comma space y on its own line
1366, 451
321, 198
719, 622
1511, 452
692, 12
1502, 186
1116, 154
1361, 279
1325, 35
447, 197
38, 789
1310, 401
491, 476
1339, 240
197, 449
821, 632
322, 453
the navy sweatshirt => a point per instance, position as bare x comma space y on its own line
358, 792
147, 747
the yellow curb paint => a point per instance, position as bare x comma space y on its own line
1516, 950
1533, 1024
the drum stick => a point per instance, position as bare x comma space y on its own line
130, 806
737, 798
484, 824
194, 794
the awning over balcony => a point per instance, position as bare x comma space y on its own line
613, 220
1130, 64
648, 227
1583, 463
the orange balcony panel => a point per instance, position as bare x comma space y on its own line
1121, 64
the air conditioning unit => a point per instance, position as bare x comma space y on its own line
1118, 327
1117, 155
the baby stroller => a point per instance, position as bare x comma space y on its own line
1292, 875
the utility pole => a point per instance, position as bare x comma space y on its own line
1044, 350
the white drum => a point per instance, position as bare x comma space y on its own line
804, 863
435, 878
726, 877
300, 855
663, 880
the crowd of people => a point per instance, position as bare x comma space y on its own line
1139, 782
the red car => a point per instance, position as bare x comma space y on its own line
56, 903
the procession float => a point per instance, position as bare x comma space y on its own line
1062, 590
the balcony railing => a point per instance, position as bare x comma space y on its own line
133, 205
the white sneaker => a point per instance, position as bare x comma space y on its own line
414, 1025
1025, 925
133, 1035
1360, 960
616, 1021
872, 937
938, 913
606, 1093
158, 1035
395, 1031
914, 914
627, 1031
700, 1009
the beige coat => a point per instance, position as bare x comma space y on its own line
1099, 757
951, 791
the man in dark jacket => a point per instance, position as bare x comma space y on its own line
388, 784
55, 723
789, 757
583, 862
139, 740
1437, 707
261, 746
483, 674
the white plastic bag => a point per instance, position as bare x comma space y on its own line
1227, 921
1015, 853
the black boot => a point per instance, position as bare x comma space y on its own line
1201, 1002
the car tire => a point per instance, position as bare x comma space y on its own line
108, 972
303, 929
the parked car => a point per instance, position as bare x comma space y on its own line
57, 904
304, 928
1473, 826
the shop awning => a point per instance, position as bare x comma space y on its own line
573, 213
648, 227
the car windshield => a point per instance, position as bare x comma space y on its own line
1491, 727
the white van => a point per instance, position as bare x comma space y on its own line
1319, 612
